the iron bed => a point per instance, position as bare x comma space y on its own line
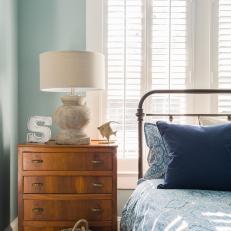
140, 114
152, 209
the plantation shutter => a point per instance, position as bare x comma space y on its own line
146, 48
169, 53
125, 69
224, 53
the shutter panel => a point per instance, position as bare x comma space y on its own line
224, 53
169, 53
167, 40
125, 63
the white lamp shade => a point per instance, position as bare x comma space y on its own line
62, 70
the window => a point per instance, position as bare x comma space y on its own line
193, 51
147, 47
159, 44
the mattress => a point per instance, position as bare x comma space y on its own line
152, 209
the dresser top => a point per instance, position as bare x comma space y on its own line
93, 144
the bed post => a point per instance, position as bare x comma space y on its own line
140, 116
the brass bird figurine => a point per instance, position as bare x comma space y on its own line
106, 130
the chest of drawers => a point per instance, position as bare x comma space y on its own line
60, 184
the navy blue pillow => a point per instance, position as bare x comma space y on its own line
200, 157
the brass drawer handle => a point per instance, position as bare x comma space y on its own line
96, 161
37, 161
97, 185
96, 210
37, 210
37, 184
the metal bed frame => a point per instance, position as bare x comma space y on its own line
140, 114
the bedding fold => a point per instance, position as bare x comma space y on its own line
152, 209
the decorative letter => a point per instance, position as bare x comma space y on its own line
39, 132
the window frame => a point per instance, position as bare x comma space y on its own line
204, 77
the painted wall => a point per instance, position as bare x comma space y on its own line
48, 25
44, 25
8, 111
28, 28
123, 196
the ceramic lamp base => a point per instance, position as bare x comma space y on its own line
72, 117
71, 137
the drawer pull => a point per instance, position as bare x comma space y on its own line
96, 210
37, 210
37, 161
96, 161
37, 184
97, 185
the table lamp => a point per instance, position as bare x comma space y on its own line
74, 72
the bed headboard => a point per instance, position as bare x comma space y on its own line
140, 114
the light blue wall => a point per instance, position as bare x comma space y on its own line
28, 28
8, 111
44, 25
47, 25
123, 196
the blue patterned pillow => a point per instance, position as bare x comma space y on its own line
158, 158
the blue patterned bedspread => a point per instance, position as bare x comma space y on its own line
152, 209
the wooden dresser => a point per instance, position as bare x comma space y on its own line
60, 184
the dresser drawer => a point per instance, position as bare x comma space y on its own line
29, 228
67, 210
67, 161
93, 228
60, 225
67, 184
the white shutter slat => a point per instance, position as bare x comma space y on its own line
224, 53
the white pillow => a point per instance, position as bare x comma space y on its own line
212, 120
